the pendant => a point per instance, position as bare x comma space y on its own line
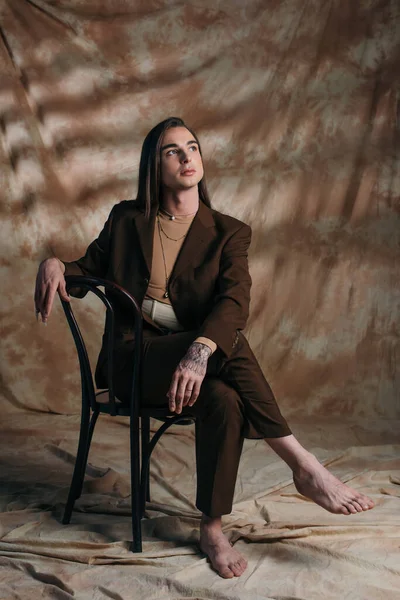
166, 295
172, 218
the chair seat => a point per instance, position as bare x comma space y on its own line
102, 397
164, 414
156, 412
103, 404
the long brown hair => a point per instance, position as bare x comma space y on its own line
149, 185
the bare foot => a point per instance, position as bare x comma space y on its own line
223, 557
317, 483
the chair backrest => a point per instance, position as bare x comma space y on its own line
92, 284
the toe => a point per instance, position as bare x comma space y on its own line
357, 505
365, 502
351, 508
237, 569
226, 573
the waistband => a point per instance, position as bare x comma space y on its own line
162, 314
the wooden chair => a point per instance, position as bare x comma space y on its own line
104, 401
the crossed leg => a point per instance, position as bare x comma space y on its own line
311, 478
314, 481
236, 402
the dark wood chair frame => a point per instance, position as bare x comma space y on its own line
141, 446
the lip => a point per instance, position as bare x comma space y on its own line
188, 172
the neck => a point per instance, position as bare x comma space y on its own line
180, 202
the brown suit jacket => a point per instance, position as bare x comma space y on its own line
209, 286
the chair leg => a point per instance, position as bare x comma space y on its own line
80, 466
145, 478
92, 424
135, 484
144, 481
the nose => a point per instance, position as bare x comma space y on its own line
185, 157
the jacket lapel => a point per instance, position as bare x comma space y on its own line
145, 231
200, 234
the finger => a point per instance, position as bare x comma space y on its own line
48, 303
188, 392
36, 297
171, 394
195, 393
35, 303
62, 290
180, 394
43, 302
42, 290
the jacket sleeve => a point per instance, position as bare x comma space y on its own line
96, 259
231, 303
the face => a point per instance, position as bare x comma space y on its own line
181, 163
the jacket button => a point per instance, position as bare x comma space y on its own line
146, 280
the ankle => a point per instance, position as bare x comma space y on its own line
290, 450
305, 465
209, 524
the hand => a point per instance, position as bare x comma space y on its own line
188, 377
49, 280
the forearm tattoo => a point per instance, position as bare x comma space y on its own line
196, 358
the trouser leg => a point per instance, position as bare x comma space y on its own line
219, 442
239, 403
242, 372
219, 419
235, 402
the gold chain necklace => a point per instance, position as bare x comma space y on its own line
173, 217
165, 295
166, 234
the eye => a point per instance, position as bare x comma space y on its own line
193, 148
172, 151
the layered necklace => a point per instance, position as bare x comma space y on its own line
173, 217
161, 231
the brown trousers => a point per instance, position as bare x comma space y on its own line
235, 402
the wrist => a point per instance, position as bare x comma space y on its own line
207, 342
62, 266
54, 260
200, 350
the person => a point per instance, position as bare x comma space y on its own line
186, 264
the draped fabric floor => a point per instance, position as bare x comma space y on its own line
296, 103
294, 548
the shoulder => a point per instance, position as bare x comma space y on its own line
126, 207
229, 224
124, 211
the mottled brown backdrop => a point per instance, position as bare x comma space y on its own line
296, 104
